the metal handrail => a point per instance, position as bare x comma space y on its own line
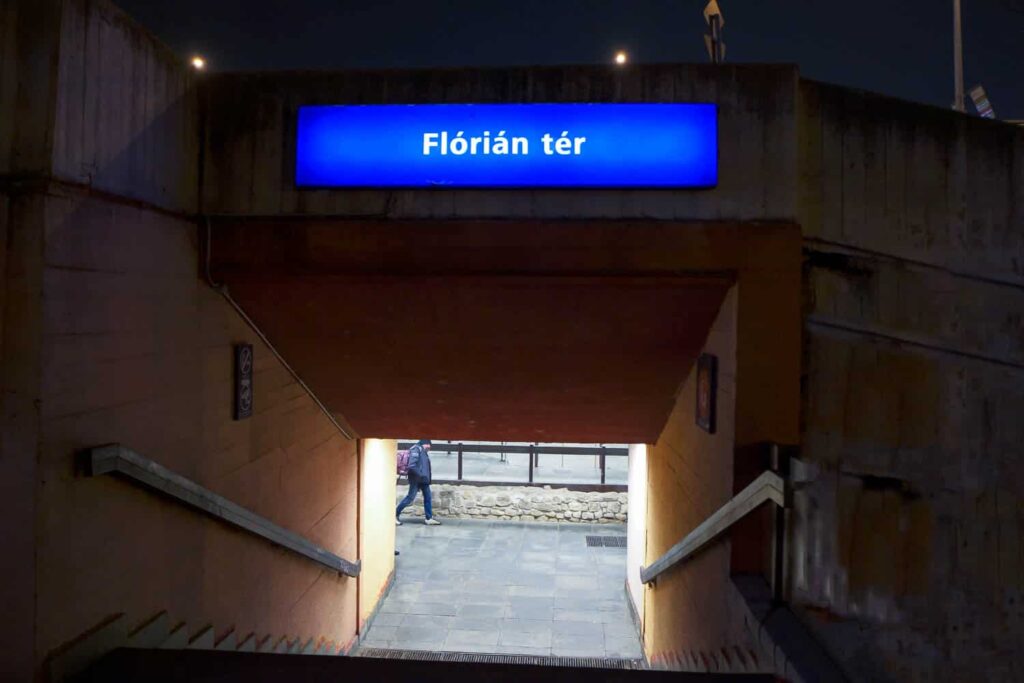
116, 458
452, 447
767, 487
532, 450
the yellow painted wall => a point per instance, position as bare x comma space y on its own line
376, 521
136, 349
689, 476
688, 618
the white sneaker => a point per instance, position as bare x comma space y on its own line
398, 522
432, 522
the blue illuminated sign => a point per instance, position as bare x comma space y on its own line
508, 145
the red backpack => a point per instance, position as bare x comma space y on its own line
403, 463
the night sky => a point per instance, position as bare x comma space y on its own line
898, 48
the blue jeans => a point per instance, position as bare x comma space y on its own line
414, 486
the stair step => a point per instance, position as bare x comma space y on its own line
177, 639
202, 640
101, 640
248, 643
227, 643
152, 633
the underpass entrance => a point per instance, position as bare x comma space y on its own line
531, 333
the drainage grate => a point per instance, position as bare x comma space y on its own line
528, 660
606, 541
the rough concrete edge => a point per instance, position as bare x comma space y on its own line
786, 643
634, 616
354, 646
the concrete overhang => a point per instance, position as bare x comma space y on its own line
506, 330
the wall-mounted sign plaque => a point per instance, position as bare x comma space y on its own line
243, 381
707, 390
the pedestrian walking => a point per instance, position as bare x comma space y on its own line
419, 480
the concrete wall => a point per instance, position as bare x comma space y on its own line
22, 224
376, 522
686, 613
251, 120
636, 525
8, 79
907, 531
110, 335
28, 38
137, 349
30, 32
125, 119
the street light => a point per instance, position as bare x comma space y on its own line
198, 63
713, 41
621, 57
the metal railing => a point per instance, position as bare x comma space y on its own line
115, 458
770, 486
533, 451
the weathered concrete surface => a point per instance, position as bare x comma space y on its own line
970, 315
8, 80
907, 532
250, 137
137, 349
21, 225
911, 181
30, 32
125, 119
110, 334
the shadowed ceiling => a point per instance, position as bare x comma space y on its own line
410, 339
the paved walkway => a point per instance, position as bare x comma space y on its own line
507, 588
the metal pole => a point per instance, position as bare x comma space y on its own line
460, 462
716, 41
602, 464
531, 463
958, 58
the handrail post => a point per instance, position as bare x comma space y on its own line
769, 487
460, 461
531, 463
779, 465
602, 464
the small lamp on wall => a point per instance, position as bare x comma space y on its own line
243, 381
707, 391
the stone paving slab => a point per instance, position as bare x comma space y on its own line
507, 588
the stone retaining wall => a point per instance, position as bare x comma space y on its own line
525, 503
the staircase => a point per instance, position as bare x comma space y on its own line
159, 650
160, 633
164, 666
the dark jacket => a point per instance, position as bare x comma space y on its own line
419, 464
